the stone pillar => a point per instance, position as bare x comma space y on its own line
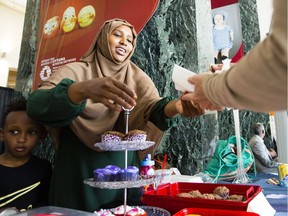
28, 51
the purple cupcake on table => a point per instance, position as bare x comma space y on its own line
114, 169
102, 175
129, 174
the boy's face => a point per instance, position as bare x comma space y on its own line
20, 134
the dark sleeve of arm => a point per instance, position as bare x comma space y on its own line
158, 117
52, 106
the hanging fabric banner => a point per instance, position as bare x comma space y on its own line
226, 30
68, 27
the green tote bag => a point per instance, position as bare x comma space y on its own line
224, 162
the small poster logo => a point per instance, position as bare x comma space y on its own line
45, 73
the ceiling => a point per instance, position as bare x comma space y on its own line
18, 5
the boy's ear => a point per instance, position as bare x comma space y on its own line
1, 134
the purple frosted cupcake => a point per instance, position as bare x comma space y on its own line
114, 169
136, 169
102, 175
136, 135
112, 136
129, 174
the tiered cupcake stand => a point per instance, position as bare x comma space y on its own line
124, 146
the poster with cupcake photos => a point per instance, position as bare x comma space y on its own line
67, 28
226, 31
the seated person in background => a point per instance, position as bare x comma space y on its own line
24, 178
265, 159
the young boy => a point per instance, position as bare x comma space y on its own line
24, 178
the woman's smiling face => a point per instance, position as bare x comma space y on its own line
121, 43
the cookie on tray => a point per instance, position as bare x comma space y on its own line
222, 191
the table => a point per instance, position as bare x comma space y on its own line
277, 196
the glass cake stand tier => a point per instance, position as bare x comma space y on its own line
124, 145
151, 211
123, 184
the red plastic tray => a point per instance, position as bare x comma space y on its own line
165, 196
213, 212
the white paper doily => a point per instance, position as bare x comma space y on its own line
124, 145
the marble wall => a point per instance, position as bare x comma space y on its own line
177, 33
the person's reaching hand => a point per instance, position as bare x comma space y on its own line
198, 96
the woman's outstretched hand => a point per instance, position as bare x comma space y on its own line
108, 91
184, 108
188, 108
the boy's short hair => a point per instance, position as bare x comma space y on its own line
14, 106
